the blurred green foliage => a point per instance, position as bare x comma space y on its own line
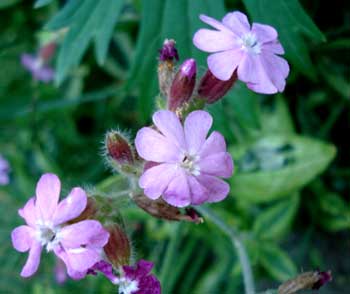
290, 192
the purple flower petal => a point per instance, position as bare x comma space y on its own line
71, 207
28, 212
47, 195
29, 61
214, 23
214, 144
213, 41
155, 180
87, 233
223, 64
218, 189
33, 260
169, 125
81, 259
273, 47
106, 269
72, 273
197, 125
178, 192
22, 238
264, 33
152, 146
44, 74
199, 193
237, 22
219, 164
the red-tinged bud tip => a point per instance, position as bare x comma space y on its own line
118, 247
118, 148
47, 51
324, 278
212, 89
189, 68
183, 85
168, 51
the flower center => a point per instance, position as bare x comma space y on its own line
189, 163
250, 44
46, 234
127, 286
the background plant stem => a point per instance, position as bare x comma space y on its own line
237, 243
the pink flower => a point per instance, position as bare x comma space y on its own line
132, 279
4, 171
187, 165
251, 50
78, 245
138, 280
36, 66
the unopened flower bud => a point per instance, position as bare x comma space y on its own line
212, 89
120, 152
183, 84
306, 281
167, 57
47, 51
168, 51
160, 209
118, 247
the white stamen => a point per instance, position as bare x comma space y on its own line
190, 163
250, 44
47, 234
127, 286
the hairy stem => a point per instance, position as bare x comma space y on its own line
237, 243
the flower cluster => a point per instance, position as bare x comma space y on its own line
176, 162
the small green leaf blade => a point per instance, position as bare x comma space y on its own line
105, 28
277, 262
273, 222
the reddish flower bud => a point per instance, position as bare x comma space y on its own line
168, 51
167, 57
183, 84
118, 148
118, 247
305, 281
160, 209
212, 89
47, 51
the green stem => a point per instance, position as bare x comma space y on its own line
237, 243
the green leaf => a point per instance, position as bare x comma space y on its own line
7, 3
104, 30
277, 262
333, 213
87, 20
245, 106
277, 118
273, 222
291, 22
41, 3
282, 172
174, 20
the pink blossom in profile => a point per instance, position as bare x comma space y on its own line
135, 279
4, 171
186, 166
37, 67
252, 51
78, 245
